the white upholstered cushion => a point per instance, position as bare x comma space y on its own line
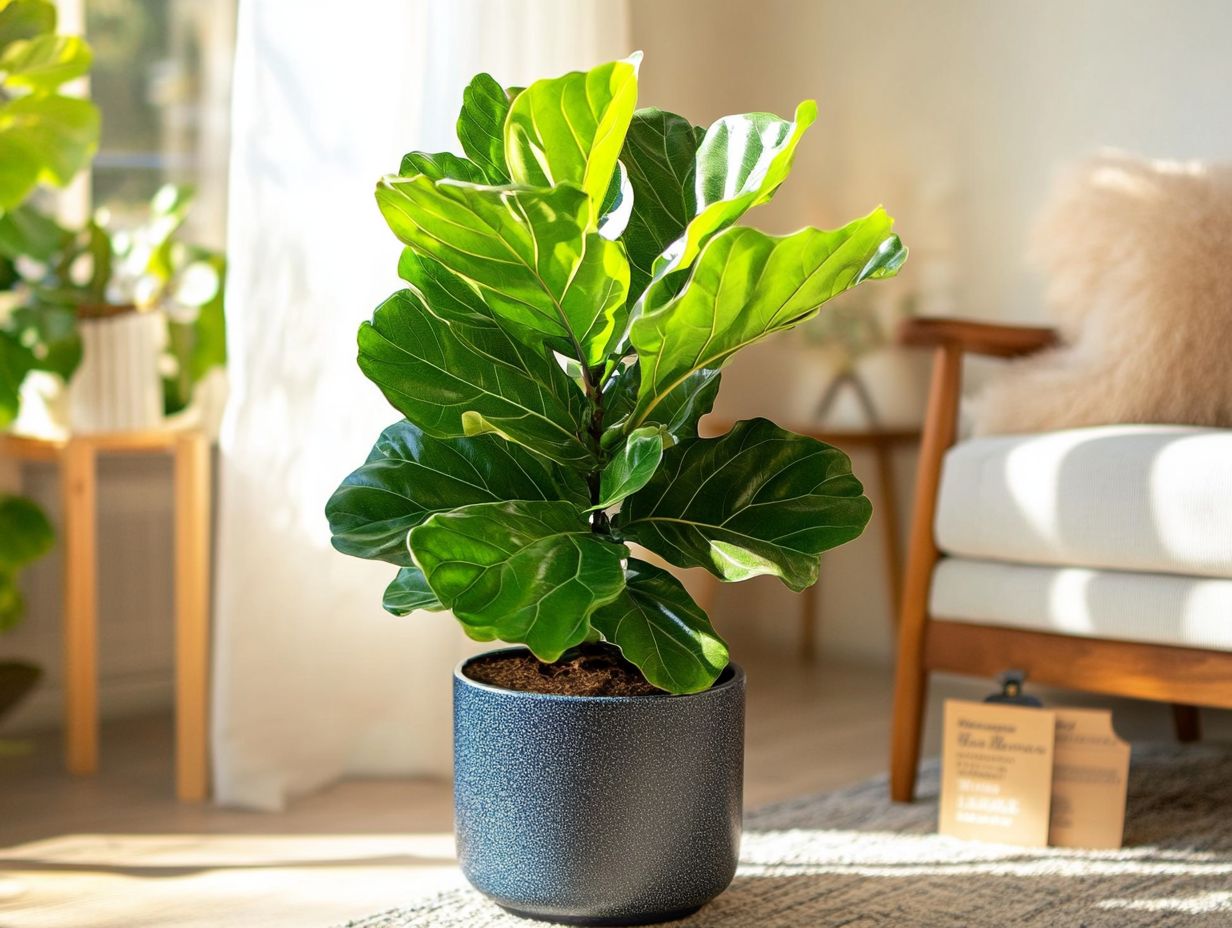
1154, 608
1128, 497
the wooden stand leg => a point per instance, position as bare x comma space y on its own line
889, 520
1188, 723
809, 601
78, 482
192, 609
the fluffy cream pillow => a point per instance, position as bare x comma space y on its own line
1138, 260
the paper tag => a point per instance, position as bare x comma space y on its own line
1089, 776
996, 773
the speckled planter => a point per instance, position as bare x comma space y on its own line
590, 810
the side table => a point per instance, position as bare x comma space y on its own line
77, 458
882, 443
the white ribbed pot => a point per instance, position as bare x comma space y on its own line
117, 387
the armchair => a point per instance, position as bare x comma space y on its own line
1098, 559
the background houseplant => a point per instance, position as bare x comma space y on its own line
46, 137
141, 274
576, 284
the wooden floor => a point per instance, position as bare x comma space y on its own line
118, 850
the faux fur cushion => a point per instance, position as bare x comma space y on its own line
1138, 260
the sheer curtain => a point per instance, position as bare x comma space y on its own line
312, 680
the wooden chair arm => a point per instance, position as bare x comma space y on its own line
1001, 341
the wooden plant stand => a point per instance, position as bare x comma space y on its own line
77, 458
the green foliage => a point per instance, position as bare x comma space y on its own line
45, 136
25, 536
149, 266
576, 284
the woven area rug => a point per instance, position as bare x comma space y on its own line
854, 859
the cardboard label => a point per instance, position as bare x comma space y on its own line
1089, 777
996, 773
1033, 777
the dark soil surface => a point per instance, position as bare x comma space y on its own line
589, 670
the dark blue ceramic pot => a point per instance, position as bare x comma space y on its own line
598, 810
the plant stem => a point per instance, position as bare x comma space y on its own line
598, 519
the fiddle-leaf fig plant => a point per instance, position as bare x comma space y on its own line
575, 283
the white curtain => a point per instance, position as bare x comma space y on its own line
312, 680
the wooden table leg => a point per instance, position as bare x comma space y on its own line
192, 611
78, 489
809, 601
889, 520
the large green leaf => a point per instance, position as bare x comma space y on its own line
409, 475
741, 161
16, 360
409, 591
25, 19
542, 274
51, 331
529, 572
758, 500
455, 381
45, 62
24, 231
43, 138
481, 126
12, 603
660, 157
677, 413
25, 533
631, 466
570, 129
659, 628
441, 165
450, 297
747, 285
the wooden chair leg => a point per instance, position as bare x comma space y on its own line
910, 691
1188, 723
911, 679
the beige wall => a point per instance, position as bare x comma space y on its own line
955, 114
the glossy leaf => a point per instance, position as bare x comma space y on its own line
455, 381
409, 476
451, 297
409, 591
531, 572
660, 155
43, 138
570, 129
12, 603
617, 205
747, 285
25, 19
16, 360
677, 413
741, 161
54, 339
481, 126
660, 629
758, 500
24, 231
44, 62
630, 468
25, 533
440, 165
528, 251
